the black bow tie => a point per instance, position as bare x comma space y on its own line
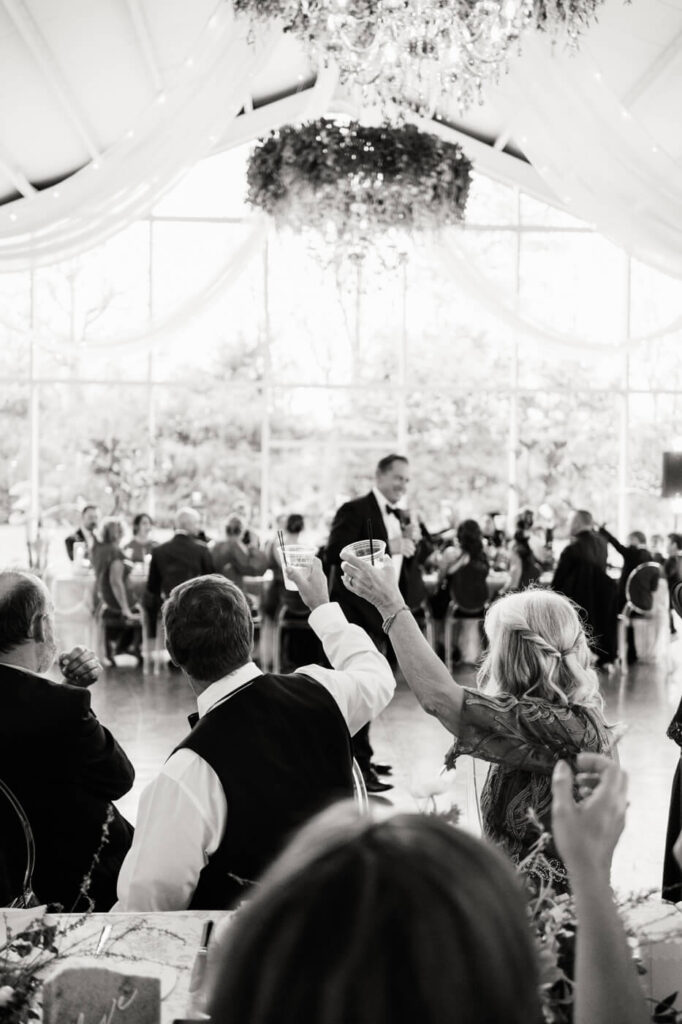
193, 718
394, 512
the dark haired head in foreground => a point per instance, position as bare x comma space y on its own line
379, 922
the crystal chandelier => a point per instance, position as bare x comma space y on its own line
423, 51
420, 53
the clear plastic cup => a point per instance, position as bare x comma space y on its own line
368, 551
298, 557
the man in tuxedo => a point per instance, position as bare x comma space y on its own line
179, 559
265, 753
86, 533
62, 765
392, 525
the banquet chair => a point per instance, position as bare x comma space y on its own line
646, 611
284, 623
359, 789
467, 629
152, 646
17, 852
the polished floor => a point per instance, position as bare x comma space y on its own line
148, 715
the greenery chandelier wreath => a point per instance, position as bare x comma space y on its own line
353, 183
419, 52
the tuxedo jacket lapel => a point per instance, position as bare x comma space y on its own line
374, 513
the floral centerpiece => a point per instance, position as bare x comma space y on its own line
552, 915
354, 182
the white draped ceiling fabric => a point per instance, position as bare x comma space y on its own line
179, 128
599, 155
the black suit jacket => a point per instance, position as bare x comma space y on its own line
350, 524
179, 559
632, 557
65, 768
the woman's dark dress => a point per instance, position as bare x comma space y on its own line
581, 576
672, 872
126, 635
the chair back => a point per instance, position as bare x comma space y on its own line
468, 587
641, 585
17, 852
360, 789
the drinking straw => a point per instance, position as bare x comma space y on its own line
280, 537
371, 540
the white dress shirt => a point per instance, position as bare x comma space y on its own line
183, 812
393, 528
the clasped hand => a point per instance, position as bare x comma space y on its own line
80, 667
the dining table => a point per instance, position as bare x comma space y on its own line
161, 946
166, 945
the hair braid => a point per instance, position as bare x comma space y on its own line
542, 644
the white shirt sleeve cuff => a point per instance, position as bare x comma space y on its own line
326, 617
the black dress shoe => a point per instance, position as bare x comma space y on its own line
373, 783
381, 769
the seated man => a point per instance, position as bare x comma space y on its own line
266, 752
181, 558
86, 532
63, 766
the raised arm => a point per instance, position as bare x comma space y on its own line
586, 833
360, 680
620, 548
425, 673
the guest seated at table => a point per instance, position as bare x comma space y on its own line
239, 555
265, 753
524, 568
141, 543
581, 575
409, 919
86, 533
120, 615
181, 558
465, 572
301, 646
544, 705
63, 766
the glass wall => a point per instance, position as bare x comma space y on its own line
163, 374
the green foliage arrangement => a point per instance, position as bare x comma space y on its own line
352, 182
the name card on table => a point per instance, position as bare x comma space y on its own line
98, 995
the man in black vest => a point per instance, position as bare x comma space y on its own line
265, 753
406, 544
62, 765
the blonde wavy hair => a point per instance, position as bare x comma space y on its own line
538, 648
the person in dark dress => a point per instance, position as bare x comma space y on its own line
140, 544
120, 615
581, 576
524, 567
672, 870
635, 553
300, 645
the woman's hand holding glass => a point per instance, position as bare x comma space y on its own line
375, 583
